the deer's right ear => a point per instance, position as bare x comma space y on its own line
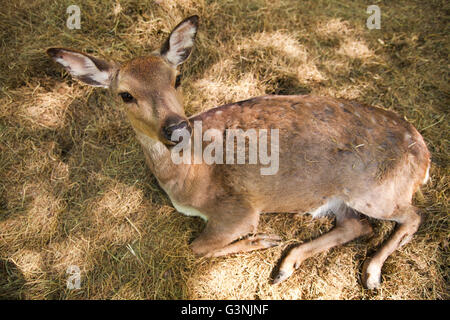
178, 46
90, 70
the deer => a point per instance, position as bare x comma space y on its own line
337, 157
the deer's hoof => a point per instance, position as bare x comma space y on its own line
281, 276
371, 275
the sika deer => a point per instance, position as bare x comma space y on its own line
335, 156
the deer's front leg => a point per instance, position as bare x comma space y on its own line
220, 232
251, 243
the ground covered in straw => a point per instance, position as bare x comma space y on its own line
74, 188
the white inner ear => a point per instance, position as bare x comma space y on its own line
81, 66
180, 40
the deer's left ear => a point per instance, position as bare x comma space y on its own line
90, 70
178, 46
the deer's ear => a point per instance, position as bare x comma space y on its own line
178, 46
90, 70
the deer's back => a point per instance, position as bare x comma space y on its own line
327, 148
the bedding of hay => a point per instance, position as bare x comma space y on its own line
74, 188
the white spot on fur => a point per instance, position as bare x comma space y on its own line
329, 207
427, 175
188, 211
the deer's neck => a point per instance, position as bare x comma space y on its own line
170, 176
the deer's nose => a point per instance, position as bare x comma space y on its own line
174, 132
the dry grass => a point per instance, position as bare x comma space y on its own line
74, 189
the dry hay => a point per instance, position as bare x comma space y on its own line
74, 189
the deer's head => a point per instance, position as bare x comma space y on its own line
148, 86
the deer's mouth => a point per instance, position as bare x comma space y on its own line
174, 133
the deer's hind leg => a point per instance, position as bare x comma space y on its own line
409, 221
349, 226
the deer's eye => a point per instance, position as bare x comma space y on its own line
178, 81
126, 97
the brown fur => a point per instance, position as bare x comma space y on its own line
362, 159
